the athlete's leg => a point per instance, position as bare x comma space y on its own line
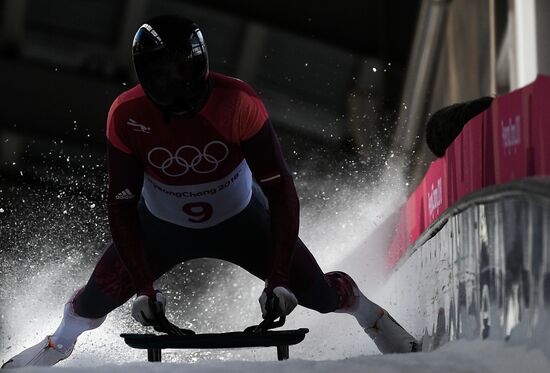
323, 292
110, 284
330, 292
249, 239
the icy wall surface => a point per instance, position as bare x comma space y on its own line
482, 270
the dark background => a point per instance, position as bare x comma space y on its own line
62, 63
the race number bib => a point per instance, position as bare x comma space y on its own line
200, 205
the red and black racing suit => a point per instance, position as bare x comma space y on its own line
182, 189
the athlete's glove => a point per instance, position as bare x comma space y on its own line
147, 310
151, 312
277, 303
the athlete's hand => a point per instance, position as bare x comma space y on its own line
146, 310
281, 299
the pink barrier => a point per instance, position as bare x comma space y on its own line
509, 141
488, 155
541, 126
435, 191
510, 125
463, 159
398, 245
413, 220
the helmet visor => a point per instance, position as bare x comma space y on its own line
171, 77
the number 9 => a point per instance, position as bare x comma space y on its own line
199, 211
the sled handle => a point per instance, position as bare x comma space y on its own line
269, 321
163, 325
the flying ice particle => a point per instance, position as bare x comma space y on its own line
374, 69
1, 210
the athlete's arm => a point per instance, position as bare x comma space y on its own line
265, 158
125, 182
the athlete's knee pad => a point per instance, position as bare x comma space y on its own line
346, 289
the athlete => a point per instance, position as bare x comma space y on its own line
196, 170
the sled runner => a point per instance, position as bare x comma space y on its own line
154, 344
254, 336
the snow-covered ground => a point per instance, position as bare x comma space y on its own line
461, 356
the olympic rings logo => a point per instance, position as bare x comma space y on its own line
188, 157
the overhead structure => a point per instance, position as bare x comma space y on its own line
464, 50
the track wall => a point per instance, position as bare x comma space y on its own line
470, 255
482, 270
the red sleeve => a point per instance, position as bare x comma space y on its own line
264, 156
114, 129
125, 182
251, 114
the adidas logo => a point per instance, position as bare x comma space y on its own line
125, 194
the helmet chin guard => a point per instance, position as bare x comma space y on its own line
171, 63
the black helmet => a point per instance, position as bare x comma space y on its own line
171, 63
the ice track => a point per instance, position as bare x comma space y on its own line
461, 356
